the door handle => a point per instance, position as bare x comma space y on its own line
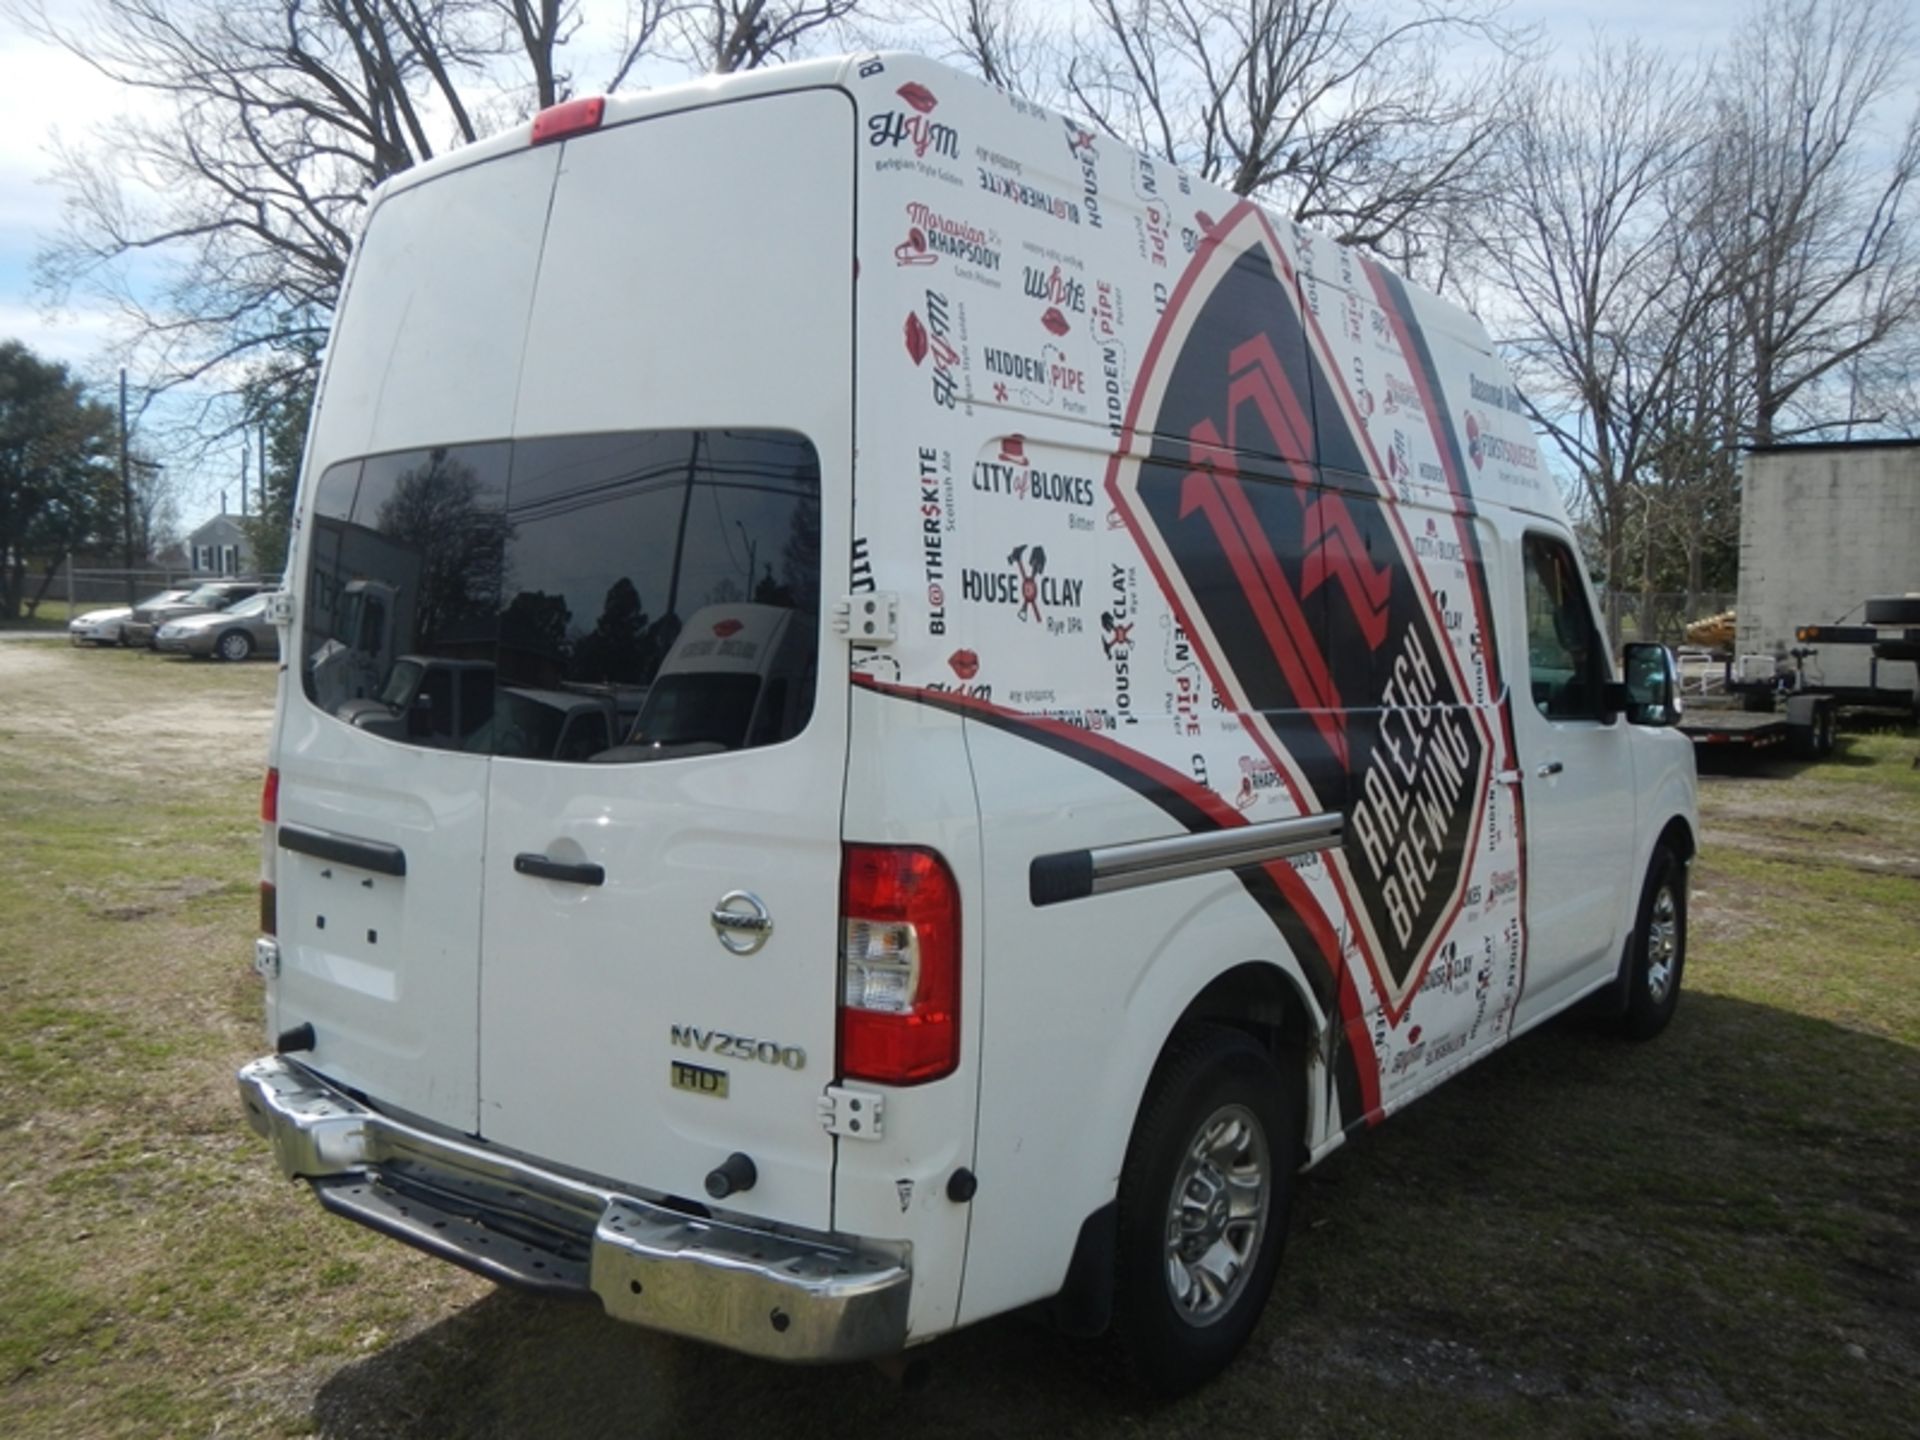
527, 863
1551, 767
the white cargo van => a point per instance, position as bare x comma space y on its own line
1194, 740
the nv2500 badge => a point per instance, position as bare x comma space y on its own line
726, 1046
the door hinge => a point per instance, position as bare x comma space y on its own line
869, 619
856, 1114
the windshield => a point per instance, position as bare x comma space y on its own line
596, 562
253, 605
162, 597
205, 595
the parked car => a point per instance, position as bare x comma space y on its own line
108, 627
144, 624
233, 634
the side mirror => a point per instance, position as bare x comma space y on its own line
1652, 685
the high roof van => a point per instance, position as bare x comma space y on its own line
1110, 706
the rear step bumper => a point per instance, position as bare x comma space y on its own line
779, 1295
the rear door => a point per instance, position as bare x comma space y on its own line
679, 486
379, 917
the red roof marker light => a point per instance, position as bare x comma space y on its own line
571, 117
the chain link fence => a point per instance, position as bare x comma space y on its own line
84, 588
1660, 615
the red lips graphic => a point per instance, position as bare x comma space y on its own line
916, 338
965, 664
1055, 321
727, 627
1413, 1036
918, 96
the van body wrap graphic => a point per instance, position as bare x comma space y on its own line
1340, 629
1161, 482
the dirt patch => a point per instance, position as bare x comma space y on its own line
128, 708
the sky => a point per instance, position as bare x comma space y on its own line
44, 91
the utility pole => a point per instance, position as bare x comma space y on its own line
126, 496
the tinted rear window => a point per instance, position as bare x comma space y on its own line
658, 589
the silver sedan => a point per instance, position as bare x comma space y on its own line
234, 634
105, 627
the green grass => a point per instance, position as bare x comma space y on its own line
1715, 1234
50, 614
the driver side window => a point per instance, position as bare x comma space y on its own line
1565, 658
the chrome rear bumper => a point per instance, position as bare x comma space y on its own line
779, 1295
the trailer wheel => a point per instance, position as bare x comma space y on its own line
1204, 1199
1657, 949
1894, 610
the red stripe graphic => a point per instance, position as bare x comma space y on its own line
1213, 487
1209, 803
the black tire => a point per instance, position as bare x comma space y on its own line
1814, 740
234, 645
1894, 610
1657, 950
1216, 1110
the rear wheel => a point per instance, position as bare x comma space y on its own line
1204, 1200
1657, 953
234, 645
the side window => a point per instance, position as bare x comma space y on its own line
1566, 662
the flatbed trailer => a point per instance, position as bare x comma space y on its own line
1770, 702
1803, 725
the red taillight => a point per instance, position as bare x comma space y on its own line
269, 909
570, 117
270, 798
899, 965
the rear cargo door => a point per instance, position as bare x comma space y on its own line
658, 978
381, 803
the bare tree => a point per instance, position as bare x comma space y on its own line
1595, 284
1343, 115
1002, 42
243, 191
1809, 205
727, 35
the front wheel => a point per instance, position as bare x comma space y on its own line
235, 645
1657, 952
1204, 1200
